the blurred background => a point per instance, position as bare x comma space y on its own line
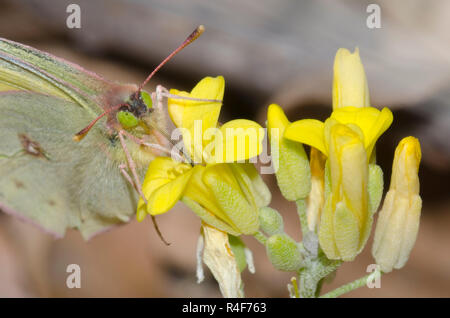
269, 51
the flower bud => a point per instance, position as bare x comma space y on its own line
283, 253
398, 222
270, 221
349, 83
289, 158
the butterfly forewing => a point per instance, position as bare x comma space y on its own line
53, 181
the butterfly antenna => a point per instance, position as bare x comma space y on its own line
83, 132
191, 38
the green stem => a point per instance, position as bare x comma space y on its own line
319, 287
260, 237
294, 284
301, 211
351, 286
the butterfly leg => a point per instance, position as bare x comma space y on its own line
159, 150
123, 170
137, 183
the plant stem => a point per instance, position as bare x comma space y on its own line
352, 286
301, 211
260, 237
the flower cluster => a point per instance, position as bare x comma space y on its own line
338, 188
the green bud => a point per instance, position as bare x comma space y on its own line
293, 175
283, 253
270, 221
289, 158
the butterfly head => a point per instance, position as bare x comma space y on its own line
139, 105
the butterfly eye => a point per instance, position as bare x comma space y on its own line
146, 99
127, 119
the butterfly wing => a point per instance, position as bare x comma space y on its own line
53, 181
26, 68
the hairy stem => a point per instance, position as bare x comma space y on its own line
301, 211
353, 285
260, 237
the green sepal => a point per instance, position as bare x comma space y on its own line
326, 231
292, 172
261, 191
238, 248
346, 232
208, 217
284, 253
241, 212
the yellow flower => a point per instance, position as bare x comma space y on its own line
398, 222
347, 138
349, 84
345, 220
224, 195
234, 141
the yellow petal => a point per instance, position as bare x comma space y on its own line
349, 171
372, 122
242, 140
405, 167
176, 107
161, 171
307, 131
166, 196
184, 113
276, 119
382, 123
349, 83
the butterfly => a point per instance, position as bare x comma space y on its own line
56, 175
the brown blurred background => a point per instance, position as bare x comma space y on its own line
268, 51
